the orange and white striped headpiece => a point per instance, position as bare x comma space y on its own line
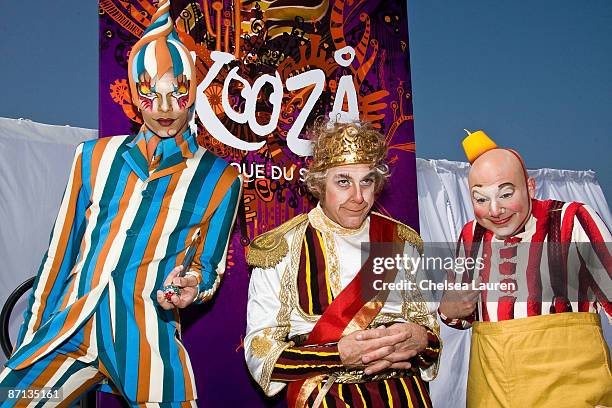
158, 50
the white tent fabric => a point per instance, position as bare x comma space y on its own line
34, 165
35, 162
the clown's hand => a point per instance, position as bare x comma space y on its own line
185, 295
457, 304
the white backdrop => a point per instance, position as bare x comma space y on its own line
35, 161
34, 164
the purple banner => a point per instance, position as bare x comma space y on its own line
266, 70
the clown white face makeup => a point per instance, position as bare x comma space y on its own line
163, 103
349, 194
500, 196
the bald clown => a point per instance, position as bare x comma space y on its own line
536, 334
134, 207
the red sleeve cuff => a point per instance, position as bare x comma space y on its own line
459, 324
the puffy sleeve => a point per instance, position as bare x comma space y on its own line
268, 311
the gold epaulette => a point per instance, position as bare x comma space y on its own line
270, 248
406, 233
411, 236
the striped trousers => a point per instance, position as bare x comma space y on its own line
407, 392
64, 375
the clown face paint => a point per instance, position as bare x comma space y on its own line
349, 194
163, 103
500, 195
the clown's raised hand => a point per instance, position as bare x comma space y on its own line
188, 290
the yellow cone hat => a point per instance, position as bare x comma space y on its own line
476, 144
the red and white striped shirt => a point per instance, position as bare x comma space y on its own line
573, 275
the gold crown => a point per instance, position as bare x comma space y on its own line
476, 144
343, 144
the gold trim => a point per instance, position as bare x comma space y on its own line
411, 236
268, 249
358, 376
283, 324
268, 365
344, 377
333, 265
279, 335
307, 388
384, 318
260, 346
287, 296
415, 309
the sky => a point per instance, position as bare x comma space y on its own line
535, 75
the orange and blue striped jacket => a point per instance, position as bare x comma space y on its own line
122, 227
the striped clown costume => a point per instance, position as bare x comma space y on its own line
538, 342
132, 206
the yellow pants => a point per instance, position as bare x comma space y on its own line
558, 360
